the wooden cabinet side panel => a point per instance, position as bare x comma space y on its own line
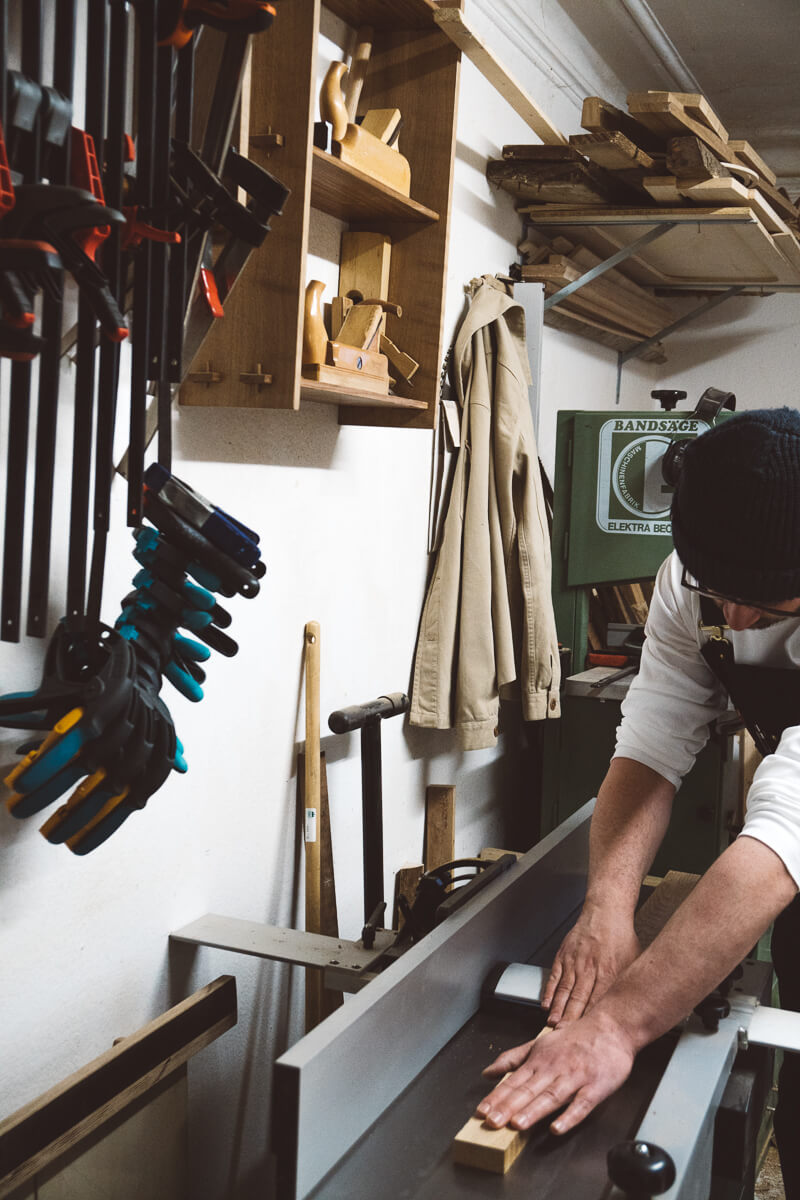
417, 71
262, 327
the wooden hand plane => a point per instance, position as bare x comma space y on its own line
357, 146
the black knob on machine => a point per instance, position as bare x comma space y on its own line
640, 1169
667, 398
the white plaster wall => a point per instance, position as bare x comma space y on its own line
343, 518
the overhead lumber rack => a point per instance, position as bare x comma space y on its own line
661, 221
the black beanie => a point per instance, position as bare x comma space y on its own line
736, 507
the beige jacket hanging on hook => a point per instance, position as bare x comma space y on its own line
488, 630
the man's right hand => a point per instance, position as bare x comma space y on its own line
595, 951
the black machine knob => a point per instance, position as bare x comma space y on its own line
640, 1169
668, 398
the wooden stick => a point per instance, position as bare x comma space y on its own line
311, 815
440, 811
455, 24
478, 1145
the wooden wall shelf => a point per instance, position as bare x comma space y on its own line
385, 14
413, 67
343, 191
323, 393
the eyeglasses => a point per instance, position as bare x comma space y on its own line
689, 582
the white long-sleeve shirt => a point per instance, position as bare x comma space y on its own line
676, 697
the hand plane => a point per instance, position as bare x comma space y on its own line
356, 145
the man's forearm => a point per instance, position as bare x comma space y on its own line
629, 822
709, 935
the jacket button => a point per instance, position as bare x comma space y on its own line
553, 704
496, 731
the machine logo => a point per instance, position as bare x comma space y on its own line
632, 496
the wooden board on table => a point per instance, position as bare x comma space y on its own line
663, 189
440, 817
478, 1145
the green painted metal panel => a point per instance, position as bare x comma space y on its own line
619, 526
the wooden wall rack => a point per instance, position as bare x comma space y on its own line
413, 67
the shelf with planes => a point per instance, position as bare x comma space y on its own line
254, 357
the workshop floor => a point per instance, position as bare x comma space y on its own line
769, 1185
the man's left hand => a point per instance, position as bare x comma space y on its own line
578, 1064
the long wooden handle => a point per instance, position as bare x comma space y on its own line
312, 779
332, 107
357, 72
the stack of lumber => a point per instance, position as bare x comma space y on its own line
613, 310
670, 154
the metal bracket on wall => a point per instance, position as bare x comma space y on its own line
620, 256
625, 355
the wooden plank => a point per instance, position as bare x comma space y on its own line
663, 188
732, 191
566, 214
417, 72
40, 1132
693, 103
611, 149
478, 1145
585, 259
283, 95
747, 155
657, 909
455, 24
570, 321
405, 886
690, 158
533, 152
440, 813
364, 266
576, 182
598, 115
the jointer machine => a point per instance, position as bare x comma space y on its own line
368, 1103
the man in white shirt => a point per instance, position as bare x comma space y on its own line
724, 626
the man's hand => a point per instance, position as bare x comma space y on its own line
578, 1065
595, 951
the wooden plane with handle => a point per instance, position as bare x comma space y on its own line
357, 146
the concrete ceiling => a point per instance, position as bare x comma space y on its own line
743, 56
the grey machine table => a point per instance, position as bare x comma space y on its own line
367, 1104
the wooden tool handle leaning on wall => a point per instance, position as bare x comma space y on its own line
311, 814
